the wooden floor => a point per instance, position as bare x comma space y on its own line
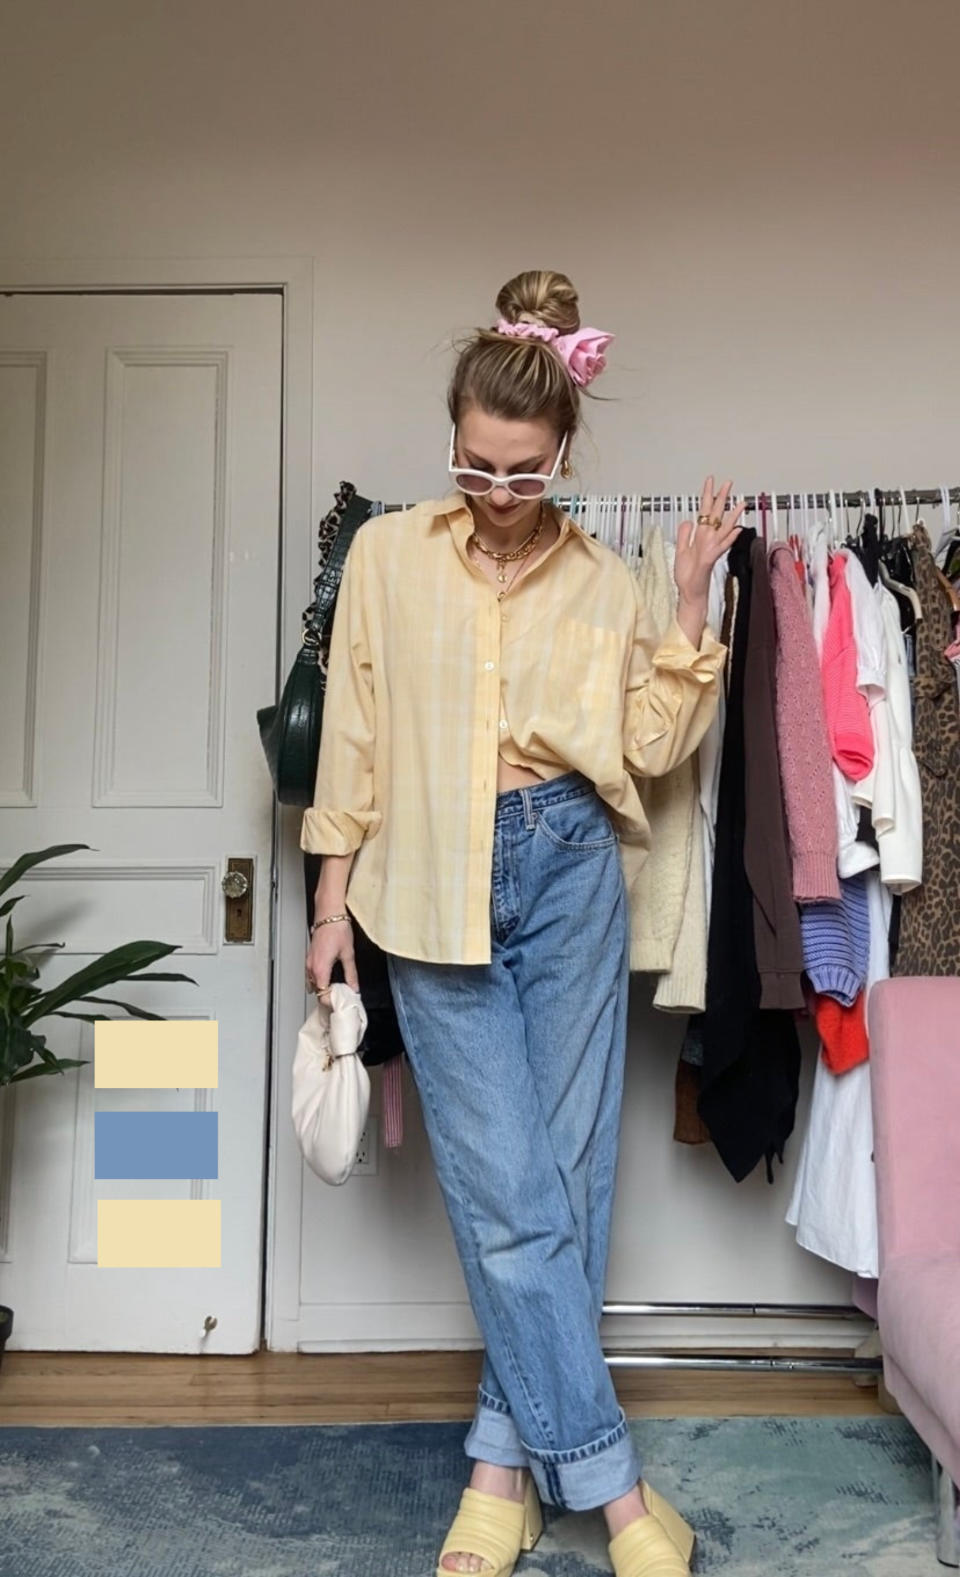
290, 1388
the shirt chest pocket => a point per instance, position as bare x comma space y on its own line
584, 672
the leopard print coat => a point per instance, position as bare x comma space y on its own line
929, 941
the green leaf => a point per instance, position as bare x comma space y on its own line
158, 976
130, 1007
39, 1068
21, 1047
34, 857
117, 964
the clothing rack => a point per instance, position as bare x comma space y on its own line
853, 1365
868, 497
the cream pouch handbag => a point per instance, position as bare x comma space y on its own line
331, 1086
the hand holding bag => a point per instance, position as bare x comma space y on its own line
331, 1086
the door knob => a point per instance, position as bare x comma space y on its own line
237, 886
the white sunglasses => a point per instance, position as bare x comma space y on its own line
524, 484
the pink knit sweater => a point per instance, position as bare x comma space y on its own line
802, 741
848, 715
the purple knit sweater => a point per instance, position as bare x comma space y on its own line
802, 740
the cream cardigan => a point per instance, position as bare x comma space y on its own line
668, 919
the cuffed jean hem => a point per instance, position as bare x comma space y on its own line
493, 1437
577, 1479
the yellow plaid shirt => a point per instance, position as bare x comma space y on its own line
428, 671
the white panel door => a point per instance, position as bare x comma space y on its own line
139, 534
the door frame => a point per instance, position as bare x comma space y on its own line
295, 279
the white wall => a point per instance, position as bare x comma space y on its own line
759, 199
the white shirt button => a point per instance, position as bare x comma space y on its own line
488, 664
503, 722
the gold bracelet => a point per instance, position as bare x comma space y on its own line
328, 919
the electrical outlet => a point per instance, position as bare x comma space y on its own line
366, 1162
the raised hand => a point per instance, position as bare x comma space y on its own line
699, 547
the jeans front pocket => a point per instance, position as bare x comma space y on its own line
578, 826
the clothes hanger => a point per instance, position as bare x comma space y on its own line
864, 542
895, 567
946, 553
629, 549
774, 518
798, 547
635, 532
948, 586
895, 551
946, 530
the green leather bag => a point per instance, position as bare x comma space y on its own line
290, 730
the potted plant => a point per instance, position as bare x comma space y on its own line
24, 1054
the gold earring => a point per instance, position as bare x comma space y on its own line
566, 469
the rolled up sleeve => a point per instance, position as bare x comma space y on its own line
343, 813
671, 695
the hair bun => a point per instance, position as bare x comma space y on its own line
540, 295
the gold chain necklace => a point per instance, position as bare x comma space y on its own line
526, 547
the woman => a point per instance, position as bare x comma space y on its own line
494, 689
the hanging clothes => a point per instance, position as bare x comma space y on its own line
708, 751
751, 1056
833, 1205
897, 794
802, 738
870, 642
853, 852
836, 941
683, 987
929, 937
689, 1127
779, 951
843, 1032
657, 882
848, 718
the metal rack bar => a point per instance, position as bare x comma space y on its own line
791, 1311
723, 1361
783, 1362
787, 501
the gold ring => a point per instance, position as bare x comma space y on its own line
703, 520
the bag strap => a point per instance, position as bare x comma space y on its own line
335, 533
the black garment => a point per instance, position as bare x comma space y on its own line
751, 1056
776, 924
867, 548
866, 832
893, 932
382, 1039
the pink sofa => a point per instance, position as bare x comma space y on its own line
914, 1028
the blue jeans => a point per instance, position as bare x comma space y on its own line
519, 1067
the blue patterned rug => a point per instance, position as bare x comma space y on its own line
769, 1497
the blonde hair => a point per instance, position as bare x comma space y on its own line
521, 379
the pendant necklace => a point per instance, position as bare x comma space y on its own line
503, 559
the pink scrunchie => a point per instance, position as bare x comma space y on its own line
582, 352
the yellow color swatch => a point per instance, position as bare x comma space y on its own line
155, 1054
168, 1234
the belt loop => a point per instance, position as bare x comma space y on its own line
529, 818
